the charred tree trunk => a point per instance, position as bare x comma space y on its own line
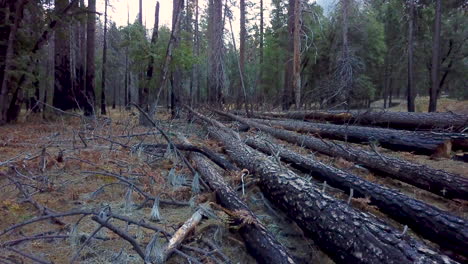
435, 67
399, 120
63, 95
90, 56
400, 140
345, 234
261, 244
17, 8
288, 89
447, 230
448, 185
104, 63
411, 92
297, 54
145, 93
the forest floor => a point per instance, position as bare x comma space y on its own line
67, 165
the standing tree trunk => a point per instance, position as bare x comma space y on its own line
9, 53
435, 59
197, 54
90, 56
243, 34
176, 74
144, 104
288, 89
104, 63
411, 89
216, 72
140, 13
297, 54
63, 96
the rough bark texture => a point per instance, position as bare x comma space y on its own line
90, 56
449, 231
435, 67
345, 234
411, 90
419, 142
401, 120
215, 52
439, 182
288, 89
63, 98
104, 63
260, 243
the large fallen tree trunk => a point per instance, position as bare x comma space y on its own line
401, 120
345, 234
419, 142
439, 182
260, 243
449, 231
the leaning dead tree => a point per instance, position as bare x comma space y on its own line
448, 185
449, 231
261, 244
400, 140
400, 120
345, 234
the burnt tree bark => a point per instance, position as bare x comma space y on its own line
63, 94
449, 231
261, 244
90, 56
419, 142
345, 234
435, 67
145, 92
104, 63
448, 185
411, 89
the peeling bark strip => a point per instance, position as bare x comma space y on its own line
179, 236
345, 234
402, 120
420, 142
448, 185
261, 244
449, 231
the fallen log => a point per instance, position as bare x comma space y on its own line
220, 161
443, 228
345, 234
401, 120
445, 184
420, 142
261, 244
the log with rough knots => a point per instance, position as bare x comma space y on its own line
261, 244
401, 120
445, 184
443, 228
345, 234
420, 142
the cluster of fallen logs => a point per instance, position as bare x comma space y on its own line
341, 231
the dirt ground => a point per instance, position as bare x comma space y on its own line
67, 165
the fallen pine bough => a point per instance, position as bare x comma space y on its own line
445, 184
437, 144
447, 230
345, 234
